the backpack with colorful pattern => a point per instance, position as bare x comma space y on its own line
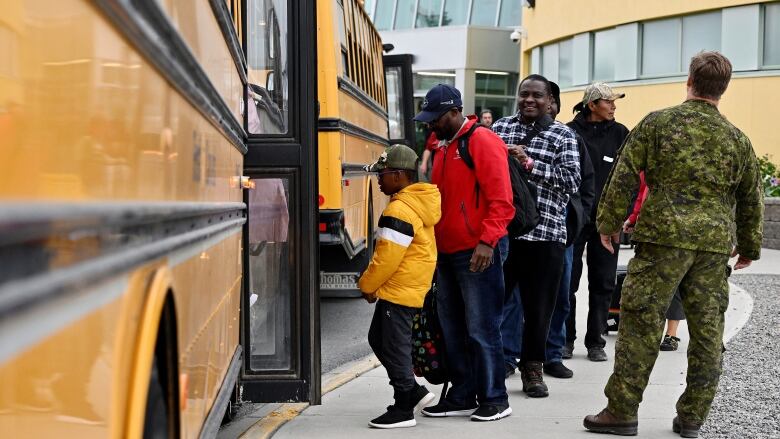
428, 354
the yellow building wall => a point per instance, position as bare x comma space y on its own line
555, 19
746, 104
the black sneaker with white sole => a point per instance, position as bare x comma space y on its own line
394, 418
446, 408
421, 397
491, 412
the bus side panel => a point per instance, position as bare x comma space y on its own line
196, 24
328, 55
207, 290
355, 112
75, 382
329, 150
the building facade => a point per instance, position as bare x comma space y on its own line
643, 49
464, 43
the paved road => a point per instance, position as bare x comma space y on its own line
344, 329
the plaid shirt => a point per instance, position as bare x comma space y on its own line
555, 172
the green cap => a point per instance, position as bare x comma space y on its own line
396, 157
600, 90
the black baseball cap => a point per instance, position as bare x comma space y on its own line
556, 93
439, 99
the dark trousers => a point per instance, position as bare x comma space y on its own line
390, 337
536, 267
470, 308
602, 266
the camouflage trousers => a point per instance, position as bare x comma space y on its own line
653, 274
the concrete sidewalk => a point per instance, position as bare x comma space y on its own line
346, 410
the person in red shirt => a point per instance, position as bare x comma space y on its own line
472, 243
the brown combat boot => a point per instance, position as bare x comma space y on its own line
606, 422
533, 381
685, 428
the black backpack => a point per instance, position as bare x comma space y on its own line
428, 352
523, 193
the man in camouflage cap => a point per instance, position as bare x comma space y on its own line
704, 203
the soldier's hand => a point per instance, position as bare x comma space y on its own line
609, 241
481, 258
742, 262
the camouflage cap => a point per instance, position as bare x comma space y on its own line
395, 157
600, 90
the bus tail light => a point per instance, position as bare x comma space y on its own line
321, 200
323, 227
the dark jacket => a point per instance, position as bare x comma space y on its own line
603, 139
578, 211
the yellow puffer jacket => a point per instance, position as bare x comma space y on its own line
405, 257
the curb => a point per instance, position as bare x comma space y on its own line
270, 424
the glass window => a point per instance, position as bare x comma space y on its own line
267, 111
661, 47
565, 65
395, 122
699, 32
404, 14
483, 12
455, 12
270, 281
424, 81
368, 5
550, 62
511, 13
604, 55
772, 35
500, 107
494, 83
383, 18
428, 13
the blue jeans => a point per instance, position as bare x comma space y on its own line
556, 338
470, 311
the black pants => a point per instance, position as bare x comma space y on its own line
535, 267
602, 266
390, 337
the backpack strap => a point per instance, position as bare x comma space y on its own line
463, 146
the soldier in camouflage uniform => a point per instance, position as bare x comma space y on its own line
704, 202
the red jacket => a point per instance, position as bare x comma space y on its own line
640, 199
467, 220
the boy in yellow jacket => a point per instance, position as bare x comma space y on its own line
399, 276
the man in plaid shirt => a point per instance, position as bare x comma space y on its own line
535, 261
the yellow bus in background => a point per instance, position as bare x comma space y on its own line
124, 293
366, 103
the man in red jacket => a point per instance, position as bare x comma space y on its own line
472, 244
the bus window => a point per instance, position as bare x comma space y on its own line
396, 124
270, 292
268, 69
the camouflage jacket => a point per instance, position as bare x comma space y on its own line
703, 178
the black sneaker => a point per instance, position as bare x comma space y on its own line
670, 343
394, 418
446, 408
491, 412
533, 382
597, 354
421, 397
567, 351
508, 370
558, 370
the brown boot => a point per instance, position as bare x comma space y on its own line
533, 380
606, 422
685, 428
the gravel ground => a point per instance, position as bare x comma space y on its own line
747, 404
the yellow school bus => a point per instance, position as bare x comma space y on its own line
365, 104
123, 211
